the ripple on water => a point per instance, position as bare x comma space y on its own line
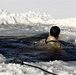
24, 49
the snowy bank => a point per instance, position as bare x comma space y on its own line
34, 18
57, 67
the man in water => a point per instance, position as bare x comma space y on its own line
51, 43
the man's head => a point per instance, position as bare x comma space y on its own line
55, 31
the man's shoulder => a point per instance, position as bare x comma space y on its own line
50, 44
42, 41
42, 44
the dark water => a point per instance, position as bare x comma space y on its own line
24, 49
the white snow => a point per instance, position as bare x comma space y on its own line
14, 23
57, 67
34, 18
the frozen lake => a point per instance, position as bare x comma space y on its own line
20, 31
18, 44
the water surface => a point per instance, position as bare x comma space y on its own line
22, 48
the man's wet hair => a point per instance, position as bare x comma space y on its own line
55, 31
